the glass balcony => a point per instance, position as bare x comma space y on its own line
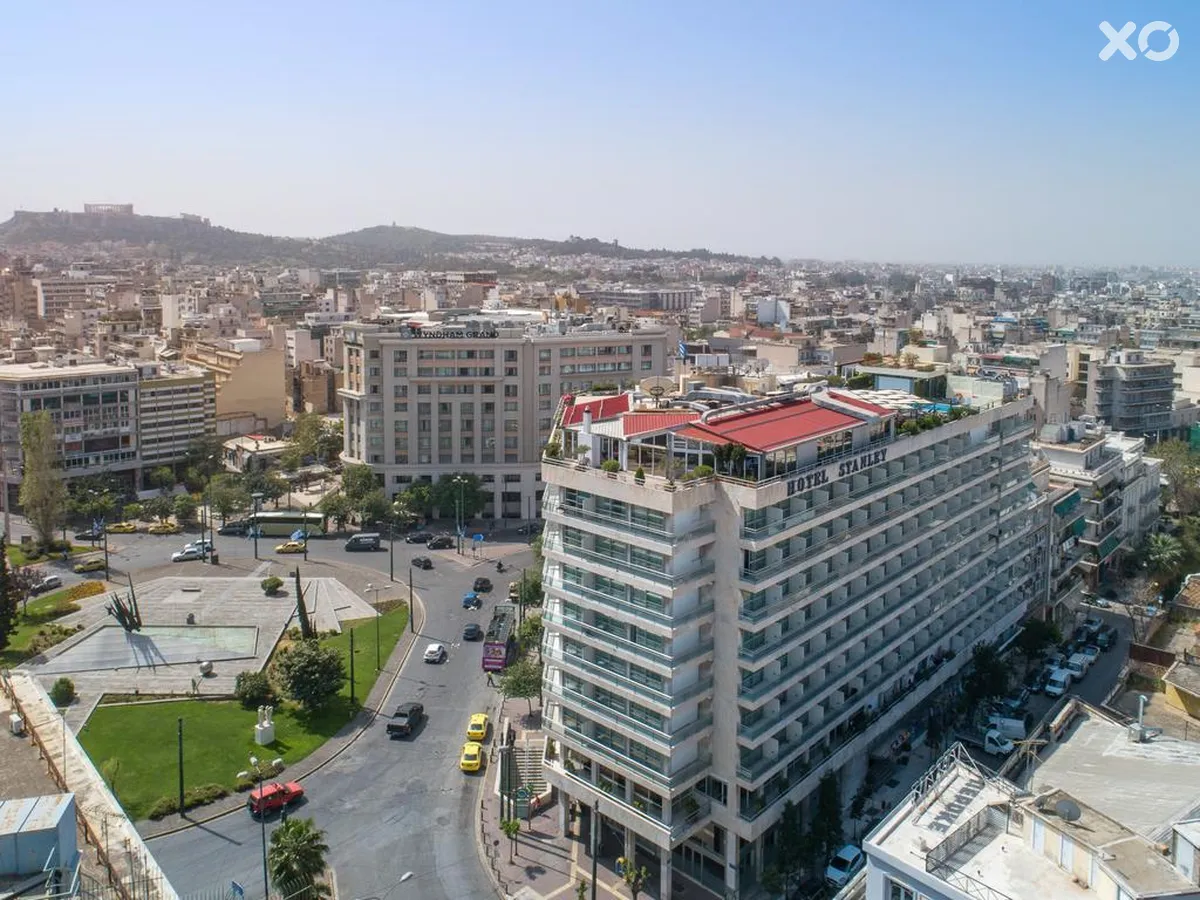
668, 698
617, 758
614, 641
586, 516
572, 553
650, 615
608, 714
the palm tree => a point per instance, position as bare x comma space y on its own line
1164, 554
297, 859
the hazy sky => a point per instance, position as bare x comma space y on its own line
906, 131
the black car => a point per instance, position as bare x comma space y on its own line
92, 534
1106, 638
237, 529
422, 562
441, 542
417, 537
405, 719
472, 632
482, 585
535, 528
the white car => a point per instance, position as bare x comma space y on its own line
187, 553
435, 653
843, 866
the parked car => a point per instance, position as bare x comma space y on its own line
514, 592
1058, 683
45, 583
435, 653
88, 565
422, 562
843, 866
92, 534
482, 585
535, 528
1092, 651
290, 547
187, 553
405, 719
1092, 625
477, 727
417, 537
1106, 639
164, 528
471, 601
472, 632
471, 759
441, 542
1036, 682
204, 545
273, 796
237, 529
121, 528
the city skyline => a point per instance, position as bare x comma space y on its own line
955, 137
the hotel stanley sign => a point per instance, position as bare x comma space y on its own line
836, 471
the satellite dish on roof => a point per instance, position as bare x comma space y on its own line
1068, 810
657, 385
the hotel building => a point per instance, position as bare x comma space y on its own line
478, 394
716, 643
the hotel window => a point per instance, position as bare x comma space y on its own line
544, 370
399, 356
512, 425
424, 388
510, 390
566, 351
400, 407
511, 443
647, 349
510, 355
511, 406
833, 444
510, 371
543, 356
544, 390
402, 425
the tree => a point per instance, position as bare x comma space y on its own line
43, 494
357, 482
253, 689
523, 679
1036, 636
529, 634
988, 676
455, 485
635, 878
227, 496
163, 478
1164, 555
910, 360
194, 480
511, 828
1182, 470
418, 498
337, 507
827, 831
531, 591
184, 508
204, 455
309, 673
296, 859
374, 507
62, 692
9, 598
132, 511
159, 507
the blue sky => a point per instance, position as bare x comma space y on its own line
887, 131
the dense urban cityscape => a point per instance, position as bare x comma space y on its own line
788, 577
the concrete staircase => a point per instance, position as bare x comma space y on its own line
527, 755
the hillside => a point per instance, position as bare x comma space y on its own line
68, 234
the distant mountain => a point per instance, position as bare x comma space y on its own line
194, 241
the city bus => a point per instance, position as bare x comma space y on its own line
500, 641
285, 524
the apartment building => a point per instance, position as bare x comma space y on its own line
667, 299
250, 380
1109, 811
57, 295
1128, 391
477, 394
111, 417
714, 645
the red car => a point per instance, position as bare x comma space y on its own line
273, 796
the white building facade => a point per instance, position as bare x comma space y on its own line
715, 645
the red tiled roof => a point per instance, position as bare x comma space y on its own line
604, 408
636, 423
694, 433
779, 425
859, 402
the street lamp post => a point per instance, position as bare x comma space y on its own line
257, 497
459, 511
392, 548
262, 818
371, 588
412, 612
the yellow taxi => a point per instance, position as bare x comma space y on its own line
290, 547
164, 528
121, 528
477, 728
88, 565
472, 757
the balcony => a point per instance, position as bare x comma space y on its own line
608, 715
623, 645
644, 692
617, 758
569, 554
626, 527
657, 617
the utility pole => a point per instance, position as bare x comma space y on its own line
412, 610
351, 666
392, 550
595, 844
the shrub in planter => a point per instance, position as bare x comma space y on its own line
702, 471
611, 466
271, 584
640, 475
63, 692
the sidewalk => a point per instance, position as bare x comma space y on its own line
324, 754
546, 862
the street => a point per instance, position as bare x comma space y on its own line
387, 807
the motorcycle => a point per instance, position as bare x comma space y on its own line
499, 567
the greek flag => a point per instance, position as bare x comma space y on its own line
682, 350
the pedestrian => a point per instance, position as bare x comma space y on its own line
491, 681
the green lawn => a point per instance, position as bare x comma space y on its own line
219, 735
17, 557
38, 612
